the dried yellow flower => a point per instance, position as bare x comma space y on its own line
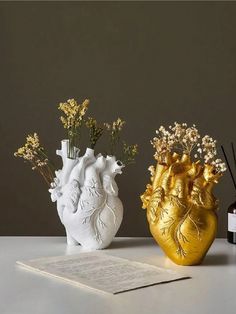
72, 121
34, 153
74, 113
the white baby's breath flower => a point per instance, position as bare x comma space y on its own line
187, 139
151, 169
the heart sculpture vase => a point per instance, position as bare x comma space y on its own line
87, 197
181, 209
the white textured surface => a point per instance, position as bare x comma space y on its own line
211, 290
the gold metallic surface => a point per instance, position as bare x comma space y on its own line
181, 209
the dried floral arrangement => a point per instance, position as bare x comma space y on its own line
74, 120
35, 154
181, 208
182, 139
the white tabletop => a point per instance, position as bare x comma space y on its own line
212, 288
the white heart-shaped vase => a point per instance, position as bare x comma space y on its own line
87, 198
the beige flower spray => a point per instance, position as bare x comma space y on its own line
35, 154
73, 119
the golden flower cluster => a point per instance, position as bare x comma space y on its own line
73, 112
72, 121
34, 153
30, 150
182, 138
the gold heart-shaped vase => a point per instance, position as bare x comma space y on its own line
181, 209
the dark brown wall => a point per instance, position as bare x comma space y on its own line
150, 63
